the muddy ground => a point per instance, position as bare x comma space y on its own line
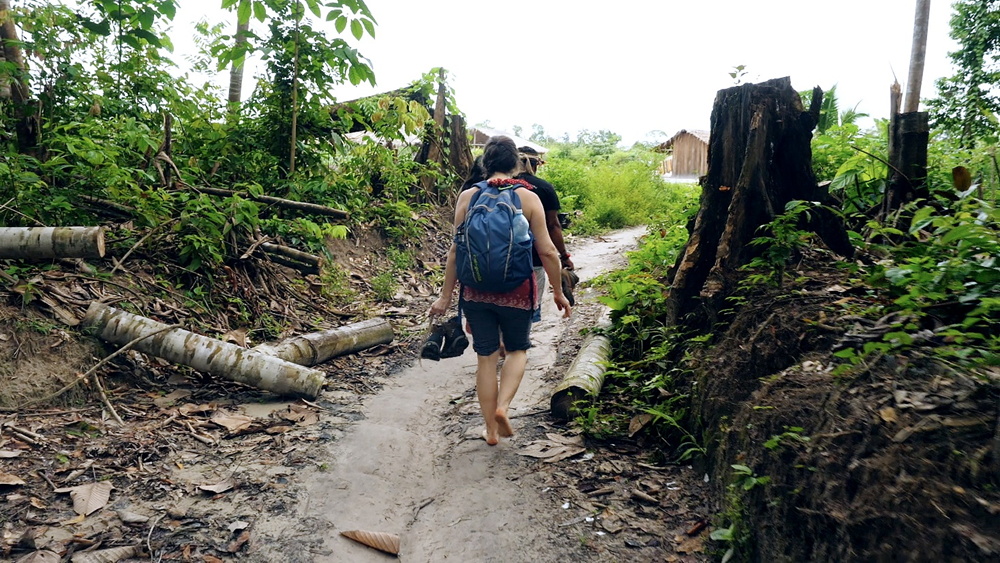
206, 470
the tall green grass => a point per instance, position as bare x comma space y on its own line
622, 190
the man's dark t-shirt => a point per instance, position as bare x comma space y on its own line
550, 202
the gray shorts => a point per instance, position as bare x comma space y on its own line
487, 321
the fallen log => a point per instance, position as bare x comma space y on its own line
318, 347
280, 202
51, 242
291, 253
204, 354
585, 375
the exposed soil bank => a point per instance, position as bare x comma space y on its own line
894, 460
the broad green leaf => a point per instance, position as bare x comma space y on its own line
243, 11
228, 3
314, 7
341, 24
357, 30
921, 219
259, 11
369, 26
956, 233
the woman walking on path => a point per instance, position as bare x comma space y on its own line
489, 314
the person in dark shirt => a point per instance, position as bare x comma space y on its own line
530, 161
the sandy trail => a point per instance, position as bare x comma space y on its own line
417, 466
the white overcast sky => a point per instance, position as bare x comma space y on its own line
634, 67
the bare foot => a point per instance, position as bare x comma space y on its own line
503, 423
490, 440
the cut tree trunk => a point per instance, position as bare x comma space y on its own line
908, 137
318, 347
280, 202
42, 243
760, 159
25, 114
585, 375
204, 354
431, 151
459, 151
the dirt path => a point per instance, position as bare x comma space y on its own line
416, 466
419, 446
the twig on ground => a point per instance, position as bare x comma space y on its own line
142, 240
106, 401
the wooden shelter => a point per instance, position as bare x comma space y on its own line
688, 154
482, 134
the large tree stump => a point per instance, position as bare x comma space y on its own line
759, 159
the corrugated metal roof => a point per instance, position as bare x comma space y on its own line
701, 134
519, 141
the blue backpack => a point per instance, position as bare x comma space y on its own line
488, 257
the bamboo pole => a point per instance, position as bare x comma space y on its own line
204, 354
917, 55
51, 242
280, 202
318, 347
585, 375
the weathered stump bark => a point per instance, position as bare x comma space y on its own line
42, 243
459, 151
204, 354
759, 160
909, 134
585, 375
318, 347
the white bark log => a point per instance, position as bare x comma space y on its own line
585, 376
51, 242
318, 347
205, 354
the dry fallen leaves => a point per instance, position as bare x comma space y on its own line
556, 448
89, 498
10, 480
381, 541
43, 556
638, 422
220, 487
111, 555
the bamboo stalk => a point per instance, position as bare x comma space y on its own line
280, 202
318, 347
585, 375
205, 354
51, 242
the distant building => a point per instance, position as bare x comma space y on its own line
687, 154
482, 134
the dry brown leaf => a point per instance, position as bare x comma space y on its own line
37, 503
211, 559
43, 556
218, 488
304, 416
89, 498
232, 422
381, 541
692, 545
7, 454
638, 422
10, 480
75, 520
111, 555
237, 336
556, 448
281, 429
236, 544
888, 414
